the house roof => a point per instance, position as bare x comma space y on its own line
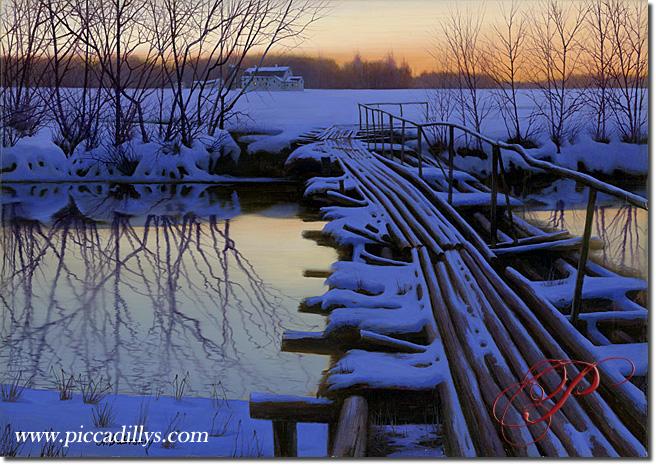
277, 71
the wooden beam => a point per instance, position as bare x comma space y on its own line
308, 342
563, 245
317, 273
351, 434
549, 237
383, 341
301, 409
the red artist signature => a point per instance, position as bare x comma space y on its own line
542, 405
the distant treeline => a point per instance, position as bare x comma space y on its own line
321, 73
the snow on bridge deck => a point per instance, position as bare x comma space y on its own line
423, 307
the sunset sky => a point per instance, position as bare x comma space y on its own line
407, 28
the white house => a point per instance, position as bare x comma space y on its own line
271, 78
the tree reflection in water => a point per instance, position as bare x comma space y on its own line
622, 228
624, 234
135, 283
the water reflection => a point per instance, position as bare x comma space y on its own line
622, 227
140, 283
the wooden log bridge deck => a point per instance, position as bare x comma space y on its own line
450, 298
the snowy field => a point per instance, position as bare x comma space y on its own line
271, 121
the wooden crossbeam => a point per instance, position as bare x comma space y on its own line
297, 409
548, 237
562, 245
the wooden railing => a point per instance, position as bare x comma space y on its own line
379, 123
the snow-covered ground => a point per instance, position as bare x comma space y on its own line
290, 114
273, 120
230, 430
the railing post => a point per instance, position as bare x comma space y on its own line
419, 151
391, 123
368, 135
583, 256
379, 129
493, 196
451, 156
402, 142
506, 191
382, 132
360, 116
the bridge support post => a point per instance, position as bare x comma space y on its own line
284, 439
351, 433
583, 256
494, 191
451, 156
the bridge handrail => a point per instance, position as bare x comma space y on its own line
581, 178
591, 182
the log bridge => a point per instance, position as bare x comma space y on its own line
450, 297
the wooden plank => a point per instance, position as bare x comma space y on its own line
265, 406
308, 342
317, 273
483, 432
549, 237
382, 341
351, 435
342, 339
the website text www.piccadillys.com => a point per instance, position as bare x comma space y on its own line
126, 435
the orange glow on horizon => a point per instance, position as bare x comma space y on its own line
408, 29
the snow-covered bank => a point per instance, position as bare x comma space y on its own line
39, 159
286, 116
270, 123
230, 430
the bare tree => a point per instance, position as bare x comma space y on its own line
442, 99
506, 62
204, 44
629, 67
117, 36
22, 39
558, 52
462, 32
600, 54
75, 111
